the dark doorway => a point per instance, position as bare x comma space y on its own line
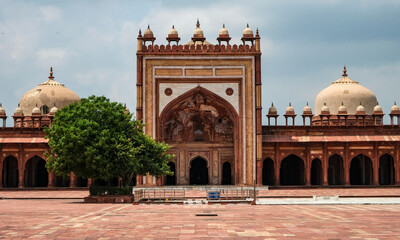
198, 172
81, 182
316, 172
171, 180
268, 175
62, 181
292, 171
361, 170
10, 172
386, 170
335, 170
226, 174
36, 174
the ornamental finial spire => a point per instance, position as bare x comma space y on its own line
51, 73
198, 24
344, 72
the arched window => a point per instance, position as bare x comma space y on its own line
44, 109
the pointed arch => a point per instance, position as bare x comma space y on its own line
214, 100
316, 172
335, 170
386, 170
268, 176
36, 174
361, 170
10, 172
292, 171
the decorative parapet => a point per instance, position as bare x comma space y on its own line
199, 49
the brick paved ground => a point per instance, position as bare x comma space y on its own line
71, 219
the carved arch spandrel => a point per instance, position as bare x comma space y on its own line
198, 115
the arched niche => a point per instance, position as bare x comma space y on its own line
10, 172
292, 171
361, 170
198, 115
36, 174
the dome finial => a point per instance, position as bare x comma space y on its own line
247, 25
198, 24
173, 27
51, 73
223, 25
307, 103
344, 72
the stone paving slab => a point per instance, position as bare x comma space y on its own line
69, 219
339, 201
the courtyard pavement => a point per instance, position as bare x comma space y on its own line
47, 216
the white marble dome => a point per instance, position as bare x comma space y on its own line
348, 92
47, 94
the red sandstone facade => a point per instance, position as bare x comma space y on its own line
205, 101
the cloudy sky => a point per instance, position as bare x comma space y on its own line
92, 44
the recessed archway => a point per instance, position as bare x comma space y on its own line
36, 174
62, 181
198, 171
335, 170
316, 172
361, 170
268, 172
10, 172
292, 171
226, 173
386, 170
171, 180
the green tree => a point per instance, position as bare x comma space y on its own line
96, 138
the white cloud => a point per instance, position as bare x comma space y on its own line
51, 13
53, 56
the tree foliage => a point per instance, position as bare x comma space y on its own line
98, 139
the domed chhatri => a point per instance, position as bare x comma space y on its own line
198, 36
290, 109
2, 110
223, 35
307, 109
377, 109
325, 109
247, 32
272, 110
394, 108
347, 91
173, 36
49, 93
148, 33
342, 110
18, 111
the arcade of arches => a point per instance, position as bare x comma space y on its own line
361, 170
33, 174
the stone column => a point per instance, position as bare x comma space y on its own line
1, 174
259, 173
397, 165
375, 171
89, 182
277, 166
72, 180
308, 166
51, 178
21, 173
346, 165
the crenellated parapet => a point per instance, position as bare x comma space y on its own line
198, 43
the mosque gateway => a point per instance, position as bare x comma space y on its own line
204, 100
